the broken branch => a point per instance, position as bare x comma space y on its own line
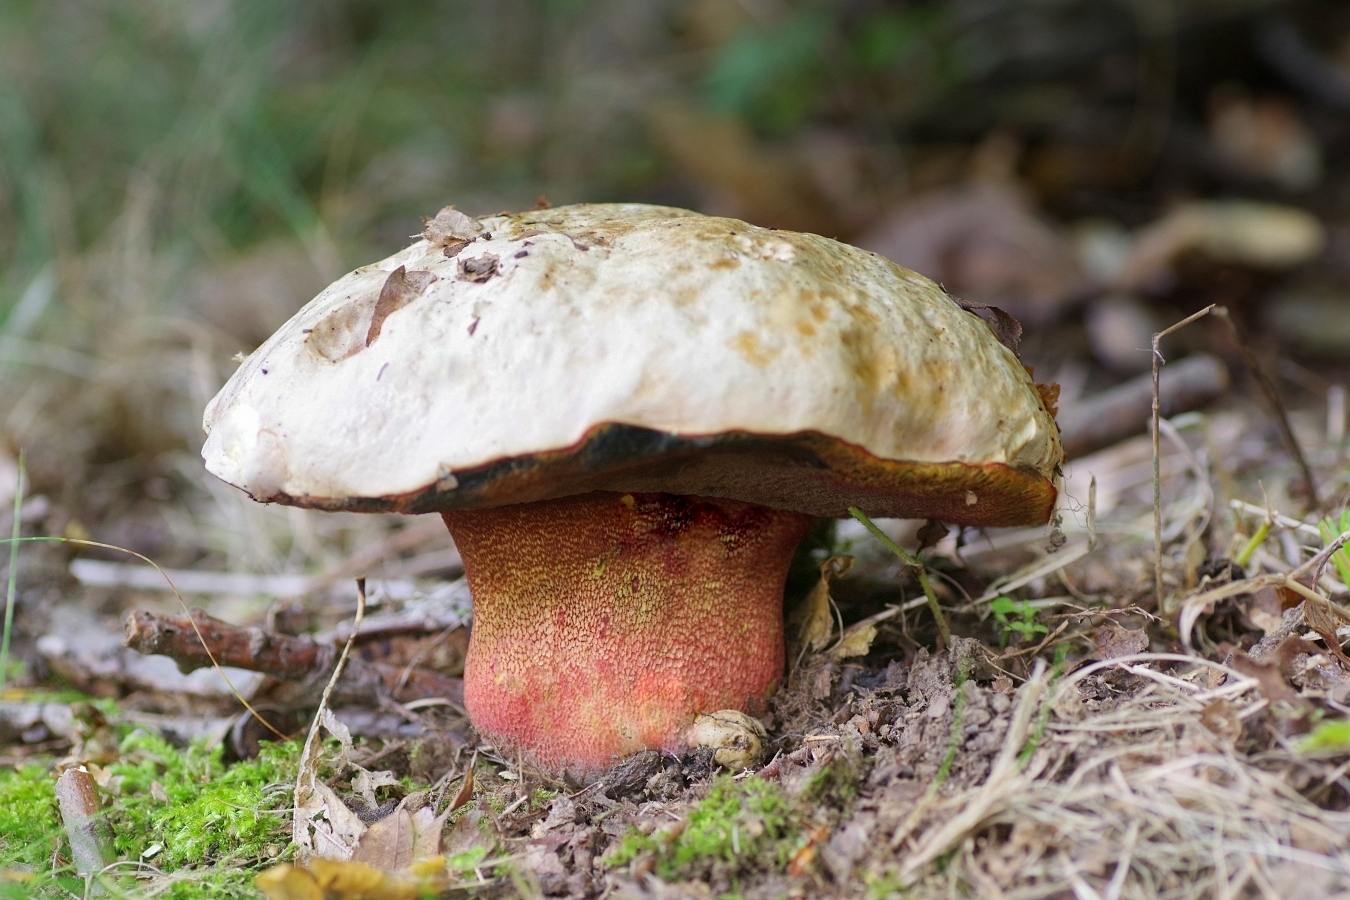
284, 657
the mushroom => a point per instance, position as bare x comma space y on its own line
628, 416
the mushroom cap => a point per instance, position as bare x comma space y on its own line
627, 347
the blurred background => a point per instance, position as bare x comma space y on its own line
176, 179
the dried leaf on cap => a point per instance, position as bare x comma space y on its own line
400, 289
450, 226
479, 268
1005, 327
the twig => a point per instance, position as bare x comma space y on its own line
307, 779
1273, 398
91, 840
1157, 465
101, 573
196, 640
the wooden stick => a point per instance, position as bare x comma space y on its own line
91, 840
1273, 398
1157, 466
1124, 411
285, 657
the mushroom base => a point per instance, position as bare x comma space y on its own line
604, 622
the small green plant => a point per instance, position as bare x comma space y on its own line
1329, 738
958, 725
1043, 715
1330, 530
1019, 616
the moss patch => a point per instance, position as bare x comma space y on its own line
206, 825
740, 825
185, 808
30, 834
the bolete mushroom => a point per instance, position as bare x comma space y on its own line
628, 416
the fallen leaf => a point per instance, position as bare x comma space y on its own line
1222, 719
466, 789
400, 289
1325, 618
401, 839
857, 638
812, 618
931, 533
365, 783
326, 879
323, 825
1113, 641
467, 836
1266, 610
1268, 677
803, 860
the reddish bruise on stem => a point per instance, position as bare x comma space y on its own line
604, 622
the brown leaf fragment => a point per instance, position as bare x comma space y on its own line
328, 828
479, 268
1222, 719
1268, 677
1290, 648
1113, 641
451, 250
1324, 618
466, 789
804, 859
1265, 609
931, 533
400, 288
401, 839
326, 879
468, 832
1006, 328
812, 618
450, 226
1049, 397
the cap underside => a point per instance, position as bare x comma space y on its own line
807, 471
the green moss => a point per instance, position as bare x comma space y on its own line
738, 823
30, 824
185, 808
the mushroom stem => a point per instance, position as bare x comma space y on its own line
605, 622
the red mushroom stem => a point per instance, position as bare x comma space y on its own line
604, 622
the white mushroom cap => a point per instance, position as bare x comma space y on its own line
637, 348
